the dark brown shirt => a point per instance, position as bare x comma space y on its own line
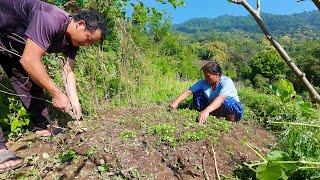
43, 23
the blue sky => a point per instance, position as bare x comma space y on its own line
215, 8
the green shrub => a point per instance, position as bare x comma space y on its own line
114, 86
261, 82
230, 71
165, 133
271, 108
128, 134
268, 63
67, 156
170, 46
299, 142
14, 118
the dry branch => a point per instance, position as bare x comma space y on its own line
206, 177
313, 93
215, 163
258, 7
315, 2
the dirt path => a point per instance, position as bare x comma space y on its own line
141, 143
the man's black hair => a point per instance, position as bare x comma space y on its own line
94, 21
212, 67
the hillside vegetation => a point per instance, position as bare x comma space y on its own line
300, 25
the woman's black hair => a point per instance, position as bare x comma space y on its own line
94, 21
212, 67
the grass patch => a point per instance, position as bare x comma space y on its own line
165, 133
68, 156
128, 135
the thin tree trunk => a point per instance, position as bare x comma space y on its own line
317, 3
313, 93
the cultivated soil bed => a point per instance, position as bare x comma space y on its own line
134, 144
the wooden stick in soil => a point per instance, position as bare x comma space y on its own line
68, 91
215, 163
206, 177
295, 124
119, 172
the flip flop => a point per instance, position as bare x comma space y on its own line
54, 132
6, 156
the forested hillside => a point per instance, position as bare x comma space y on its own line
300, 25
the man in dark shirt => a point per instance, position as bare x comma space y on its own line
28, 30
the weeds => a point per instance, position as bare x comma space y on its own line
68, 156
297, 153
127, 135
14, 119
103, 168
193, 136
165, 133
91, 152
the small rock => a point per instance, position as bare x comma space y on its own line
45, 156
101, 161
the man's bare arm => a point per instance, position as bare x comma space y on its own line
31, 62
69, 80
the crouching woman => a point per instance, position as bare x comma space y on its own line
215, 95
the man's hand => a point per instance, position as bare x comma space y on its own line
69, 81
202, 117
77, 113
61, 102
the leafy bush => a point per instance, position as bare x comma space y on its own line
271, 108
297, 153
188, 67
128, 134
230, 70
261, 82
67, 156
308, 58
114, 87
170, 46
165, 132
14, 118
268, 63
214, 51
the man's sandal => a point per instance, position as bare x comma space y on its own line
50, 131
6, 156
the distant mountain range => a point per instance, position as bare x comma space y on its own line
306, 24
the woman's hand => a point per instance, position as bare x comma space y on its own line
203, 116
172, 107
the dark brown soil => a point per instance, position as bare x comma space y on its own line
140, 156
